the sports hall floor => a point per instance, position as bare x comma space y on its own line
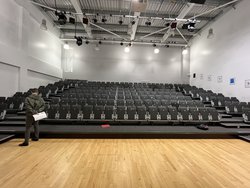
126, 163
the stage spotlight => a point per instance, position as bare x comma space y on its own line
100, 42
72, 20
62, 19
87, 42
120, 21
129, 44
167, 24
95, 20
121, 43
154, 45
104, 20
78, 41
133, 22
148, 22
191, 25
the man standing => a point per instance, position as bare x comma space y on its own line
34, 104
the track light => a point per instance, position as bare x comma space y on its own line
133, 22
154, 45
78, 41
66, 46
87, 42
121, 43
129, 44
62, 19
127, 49
100, 42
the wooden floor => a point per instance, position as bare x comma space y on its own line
128, 163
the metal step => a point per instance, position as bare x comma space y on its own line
6, 137
238, 125
15, 118
245, 137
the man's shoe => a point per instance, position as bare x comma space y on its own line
35, 139
23, 144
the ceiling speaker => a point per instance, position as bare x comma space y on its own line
198, 1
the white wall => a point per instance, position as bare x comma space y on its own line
226, 55
24, 46
111, 63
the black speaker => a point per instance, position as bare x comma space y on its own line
85, 21
194, 75
198, 1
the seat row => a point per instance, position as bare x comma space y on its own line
133, 113
128, 102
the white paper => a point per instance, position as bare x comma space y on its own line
39, 116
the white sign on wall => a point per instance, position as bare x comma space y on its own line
209, 78
247, 83
232, 81
219, 79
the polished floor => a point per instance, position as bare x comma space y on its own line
126, 163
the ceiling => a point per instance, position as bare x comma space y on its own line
115, 10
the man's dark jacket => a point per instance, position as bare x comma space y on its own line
34, 104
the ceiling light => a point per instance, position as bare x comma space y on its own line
185, 52
127, 49
156, 50
66, 46
62, 19
43, 25
210, 33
